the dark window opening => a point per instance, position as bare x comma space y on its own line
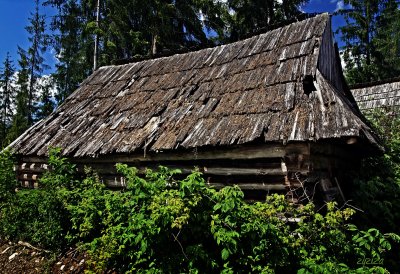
308, 85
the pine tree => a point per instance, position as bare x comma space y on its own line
371, 37
7, 93
46, 105
157, 26
136, 28
246, 17
39, 42
73, 43
387, 40
126, 29
20, 120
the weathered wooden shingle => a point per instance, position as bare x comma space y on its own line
231, 94
376, 95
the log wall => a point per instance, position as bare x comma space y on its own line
297, 170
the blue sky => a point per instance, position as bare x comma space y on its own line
328, 6
14, 17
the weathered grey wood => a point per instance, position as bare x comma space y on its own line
328, 62
242, 171
32, 170
381, 94
255, 186
238, 152
225, 171
118, 182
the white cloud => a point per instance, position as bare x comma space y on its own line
56, 56
342, 60
201, 17
339, 5
46, 81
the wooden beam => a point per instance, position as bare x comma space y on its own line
248, 186
234, 153
119, 182
243, 171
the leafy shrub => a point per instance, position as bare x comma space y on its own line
161, 225
377, 187
8, 180
37, 216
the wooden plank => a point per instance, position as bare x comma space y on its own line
249, 186
225, 171
234, 153
38, 170
242, 171
27, 177
119, 182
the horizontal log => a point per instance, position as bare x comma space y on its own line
247, 186
236, 152
243, 171
119, 182
110, 169
30, 177
36, 170
116, 182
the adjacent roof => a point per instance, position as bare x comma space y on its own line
247, 91
380, 94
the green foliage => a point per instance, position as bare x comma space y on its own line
62, 172
7, 94
244, 17
8, 178
158, 224
46, 104
377, 188
39, 40
37, 216
372, 38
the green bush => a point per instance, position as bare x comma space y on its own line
8, 180
37, 216
378, 185
161, 225
376, 188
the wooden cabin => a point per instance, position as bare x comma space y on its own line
384, 95
269, 113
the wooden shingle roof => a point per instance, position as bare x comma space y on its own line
232, 94
380, 94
